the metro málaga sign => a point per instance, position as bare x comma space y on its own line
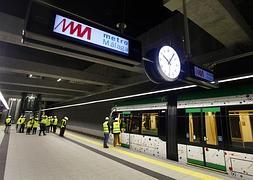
88, 34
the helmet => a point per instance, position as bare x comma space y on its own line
116, 119
66, 118
9, 116
55, 117
107, 118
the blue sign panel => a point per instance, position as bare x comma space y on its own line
203, 74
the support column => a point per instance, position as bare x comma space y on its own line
172, 128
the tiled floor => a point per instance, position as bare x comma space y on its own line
33, 157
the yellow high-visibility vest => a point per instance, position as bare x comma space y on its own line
105, 127
116, 127
35, 124
8, 121
63, 123
55, 121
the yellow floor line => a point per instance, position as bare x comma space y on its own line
151, 161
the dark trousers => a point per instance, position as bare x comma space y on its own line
51, 127
22, 128
47, 129
106, 137
62, 131
54, 128
17, 125
6, 130
42, 129
28, 130
34, 130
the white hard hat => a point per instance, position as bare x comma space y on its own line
106, 118
66, 118
116, 119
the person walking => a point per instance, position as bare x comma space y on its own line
43, 125
106, 129
51, 123
18, 123
7, 124
63, 126
55, 124
47, 124
116, 132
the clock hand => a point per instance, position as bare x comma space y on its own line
166, 59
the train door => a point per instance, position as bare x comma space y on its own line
204, 138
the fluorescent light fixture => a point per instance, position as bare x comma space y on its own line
235, 78
3, 101
58, 80
122, 97
147, 93
30, 75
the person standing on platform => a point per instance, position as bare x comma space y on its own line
22, 125
55, 124
63, 126
116, 132
35, 125
51, 123
19, 123
106, 129
47, 123
29, 125
43, 125
7, 124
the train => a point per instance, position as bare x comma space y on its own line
214, 129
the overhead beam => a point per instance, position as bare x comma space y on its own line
27, 67
14, 79
16, 88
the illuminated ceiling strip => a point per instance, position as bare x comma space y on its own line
3, 101
122, 97
235, 79
144, 94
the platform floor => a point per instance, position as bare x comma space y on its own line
33, 157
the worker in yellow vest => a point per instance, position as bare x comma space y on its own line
116, 132
18, 123
22, 125
29, 125
51, 123
47, 123
106, 129
43, 125
35, 125
55, 124
7, 124
63, 126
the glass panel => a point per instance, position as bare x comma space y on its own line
211, 128
195, 127
241, 127
149, 124
135, 122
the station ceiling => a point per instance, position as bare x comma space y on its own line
220, 33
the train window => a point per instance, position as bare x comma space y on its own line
194, 127
149, 124
241, 122
211, 128
135, 122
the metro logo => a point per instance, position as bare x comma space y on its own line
75, 27
90, 35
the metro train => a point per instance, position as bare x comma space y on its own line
213, 131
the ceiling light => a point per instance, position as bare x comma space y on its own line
58, 80
3, 101
147, 93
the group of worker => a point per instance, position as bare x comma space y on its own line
47, 124
115, 129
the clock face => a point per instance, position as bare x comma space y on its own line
168, 63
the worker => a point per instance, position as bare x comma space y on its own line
43, 125
22, 125
116, 132
35, 125
7, 124
55, 124
106, 129
29, 125
18, 123
51, 123
47, 123
63, 126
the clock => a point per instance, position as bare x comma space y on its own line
168, 63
